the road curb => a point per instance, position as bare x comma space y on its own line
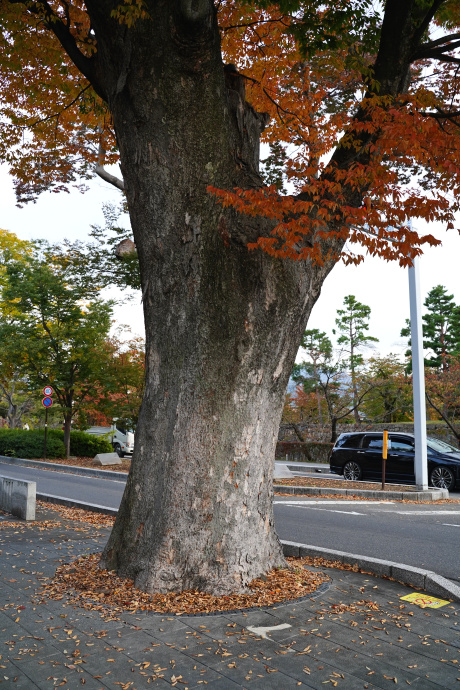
72, 503
70, 469
415, 577
407, 574
420, 496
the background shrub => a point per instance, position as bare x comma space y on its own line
83, 444
20, 443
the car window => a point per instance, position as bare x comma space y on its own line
441, 446
349, 441
401, 444
373, 442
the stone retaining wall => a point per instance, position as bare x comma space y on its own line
322, 434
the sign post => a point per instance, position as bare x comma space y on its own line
46, 402
384, 457
418, 377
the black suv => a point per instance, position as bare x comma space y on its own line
359, 456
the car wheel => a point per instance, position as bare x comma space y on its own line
118, 451
352, 471
442, 478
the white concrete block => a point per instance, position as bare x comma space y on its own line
18, 497
107, 459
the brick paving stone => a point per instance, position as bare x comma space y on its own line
49, 642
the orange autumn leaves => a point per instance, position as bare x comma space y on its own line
52, 120
403, 164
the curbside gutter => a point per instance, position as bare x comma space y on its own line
407, 574
73, 503
422, 496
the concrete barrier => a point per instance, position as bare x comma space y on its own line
18, 497
106, 459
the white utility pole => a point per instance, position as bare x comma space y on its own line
418, 376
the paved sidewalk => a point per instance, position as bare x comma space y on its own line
355, 632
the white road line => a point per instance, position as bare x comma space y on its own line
448, 524
331, 503
327, 510
427, 512
344, 512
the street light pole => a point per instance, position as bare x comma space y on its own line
418, 376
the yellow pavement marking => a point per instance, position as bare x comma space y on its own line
425, 600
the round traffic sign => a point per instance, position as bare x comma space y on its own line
47, 402
48, 391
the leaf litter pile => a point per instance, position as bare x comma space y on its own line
84, 583
323, 482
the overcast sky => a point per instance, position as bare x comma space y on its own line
383, 286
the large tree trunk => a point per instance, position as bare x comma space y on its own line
223, 325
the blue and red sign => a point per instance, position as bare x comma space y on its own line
47, 401
48, 391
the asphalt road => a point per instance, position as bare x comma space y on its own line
424, 536
102, 492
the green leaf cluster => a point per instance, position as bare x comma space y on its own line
331, 26
83, 445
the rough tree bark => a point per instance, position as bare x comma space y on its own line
222, 324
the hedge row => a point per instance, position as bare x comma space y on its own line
20, 443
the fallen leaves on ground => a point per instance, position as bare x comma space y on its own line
84, 583
322, 482
79, 515
87, 462
21, 525
75, 514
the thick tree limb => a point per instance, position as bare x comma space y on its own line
441, 115
86, 65
102, 172
440, 41
425, 23
107, 177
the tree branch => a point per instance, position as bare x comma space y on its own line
427, 20
442, 415
86, 65
436, 53
439, 41
102, 172
441, 115
66, 107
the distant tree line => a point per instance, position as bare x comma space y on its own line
340, 384
55, 331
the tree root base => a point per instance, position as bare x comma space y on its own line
85, 584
